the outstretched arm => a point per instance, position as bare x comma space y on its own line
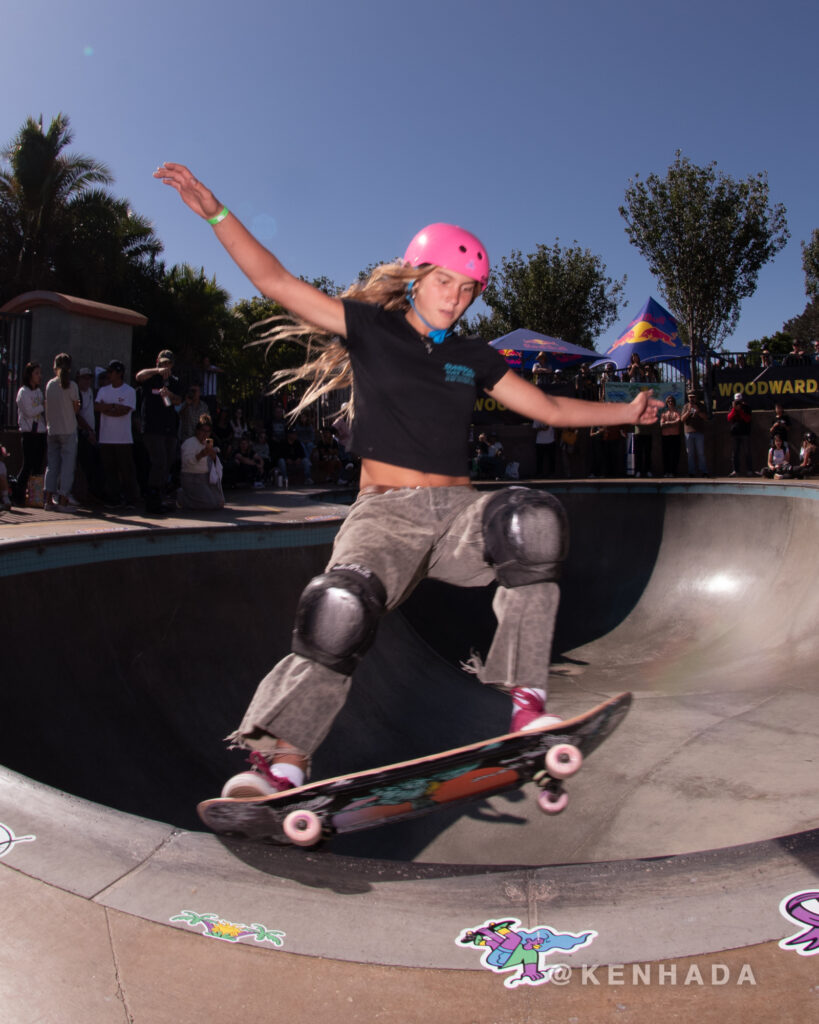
524, 398
259, 264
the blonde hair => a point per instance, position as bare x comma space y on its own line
327, 363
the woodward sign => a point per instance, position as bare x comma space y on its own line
796, 387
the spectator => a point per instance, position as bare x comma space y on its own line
694, 418
797, 355
739, 424
160, 425
595, 452
545, 449
671, 436
31, 421
292, 463
62, 403
199, 455
585, 385
635, 369
306, 434
250, 468
116, 403
5, 500
222, 431
568, 440
779, 460
262, 449
815, 351
613, 450
609, 374
277, 429
766, 359
237, 423
643, 446
210, 385
541, 371
88, 455
781, 424
491, 463
191, 412
807, 457
326, 458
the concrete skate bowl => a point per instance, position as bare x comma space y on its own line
129, 656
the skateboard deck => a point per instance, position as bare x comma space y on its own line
349, 803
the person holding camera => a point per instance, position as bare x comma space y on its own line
199, 456
739, 423
694, 418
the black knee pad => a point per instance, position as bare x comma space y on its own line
526, 536
337, 616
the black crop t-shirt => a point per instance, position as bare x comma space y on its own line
414, 399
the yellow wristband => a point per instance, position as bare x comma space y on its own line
220, 216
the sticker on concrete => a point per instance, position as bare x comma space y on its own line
217, 928
507, 947
8, 839
803, 908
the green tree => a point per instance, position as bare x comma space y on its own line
562, 292
805, 327
118, 251
779, 344
188, 313
248, 360
705, 236
38, 183
810, 264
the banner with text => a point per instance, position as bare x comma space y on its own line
796, 387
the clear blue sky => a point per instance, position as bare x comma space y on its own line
338, 129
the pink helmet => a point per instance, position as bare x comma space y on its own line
448, 246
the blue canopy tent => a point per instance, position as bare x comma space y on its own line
653, 335
520, 348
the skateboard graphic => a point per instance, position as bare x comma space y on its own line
349, 803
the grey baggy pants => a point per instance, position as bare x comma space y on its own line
403, 536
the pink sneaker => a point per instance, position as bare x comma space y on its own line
529, 710
262, 780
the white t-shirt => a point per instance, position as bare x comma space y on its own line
188, 452
116, 429
59, 405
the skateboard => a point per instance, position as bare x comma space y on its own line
349, 803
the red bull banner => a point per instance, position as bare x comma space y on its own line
651, 334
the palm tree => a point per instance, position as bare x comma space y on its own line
118, 251
37, 187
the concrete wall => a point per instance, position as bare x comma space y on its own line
89, 341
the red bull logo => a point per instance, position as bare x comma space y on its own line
512, 357
645, 331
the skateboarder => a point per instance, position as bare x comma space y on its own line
415, 382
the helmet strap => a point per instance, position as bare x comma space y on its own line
437, 335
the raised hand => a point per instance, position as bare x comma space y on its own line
645, 408
194, 194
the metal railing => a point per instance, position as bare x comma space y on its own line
15, 351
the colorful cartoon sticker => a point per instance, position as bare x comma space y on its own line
802, 907
507, 947
217, 928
